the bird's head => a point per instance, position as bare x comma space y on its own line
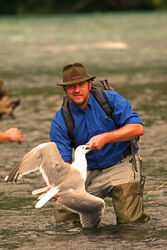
82, 150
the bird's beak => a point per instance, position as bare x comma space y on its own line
88, 149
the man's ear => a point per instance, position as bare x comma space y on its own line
89, 84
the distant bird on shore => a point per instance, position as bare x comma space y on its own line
65, 181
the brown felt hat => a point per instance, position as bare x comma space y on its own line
74, 73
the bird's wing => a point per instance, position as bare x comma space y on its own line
89, 207
92, 219
46, 158
29, 163
92, 211
53, 168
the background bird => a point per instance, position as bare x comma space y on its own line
65, 181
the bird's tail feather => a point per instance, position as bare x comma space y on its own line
52, 192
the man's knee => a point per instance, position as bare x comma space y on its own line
128, 203
61, 214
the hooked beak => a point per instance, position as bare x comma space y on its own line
88, 149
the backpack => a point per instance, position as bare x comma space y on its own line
97, 88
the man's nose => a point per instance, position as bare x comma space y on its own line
76, 87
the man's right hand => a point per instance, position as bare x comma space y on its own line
13, 134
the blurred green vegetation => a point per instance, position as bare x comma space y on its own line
73, 6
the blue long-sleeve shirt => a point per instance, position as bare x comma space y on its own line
93, 122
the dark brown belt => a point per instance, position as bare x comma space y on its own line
126, 152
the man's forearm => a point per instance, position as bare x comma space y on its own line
126, 133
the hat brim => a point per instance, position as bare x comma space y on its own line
77, 80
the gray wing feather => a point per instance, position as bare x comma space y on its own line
89, 207
91, 219
45, 158
52, 165
29, 163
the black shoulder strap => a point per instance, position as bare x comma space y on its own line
68, 119
103, 102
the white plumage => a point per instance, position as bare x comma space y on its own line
65, 181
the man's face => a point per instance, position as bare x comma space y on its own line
78, 94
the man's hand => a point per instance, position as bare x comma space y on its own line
97, 141
13, 134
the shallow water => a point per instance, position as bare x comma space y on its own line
24, 227
28, 228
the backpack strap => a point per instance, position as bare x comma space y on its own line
101, 84
102, 101
68, 119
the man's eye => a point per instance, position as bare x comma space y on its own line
81, 84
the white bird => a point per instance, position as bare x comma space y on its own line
65, 181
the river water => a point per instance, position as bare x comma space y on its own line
33, 50
24, 227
